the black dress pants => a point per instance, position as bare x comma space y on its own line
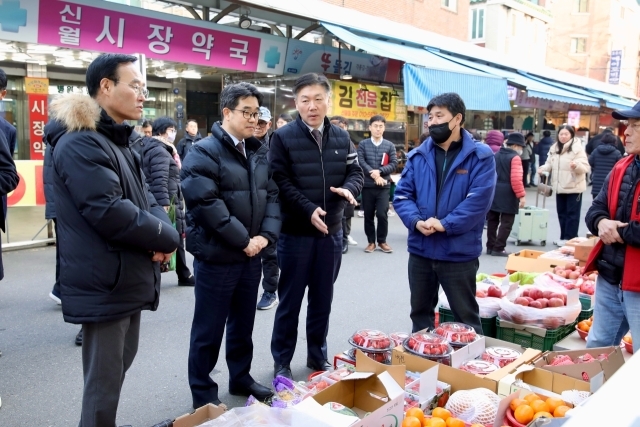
497, 236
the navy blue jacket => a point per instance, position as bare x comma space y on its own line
602, 160
304, 175
461, 206
543, 149
8, 182
10, 134
53, 131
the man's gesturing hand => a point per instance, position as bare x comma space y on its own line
317, 221
345, 193
608, 231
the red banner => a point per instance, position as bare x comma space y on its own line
38, 105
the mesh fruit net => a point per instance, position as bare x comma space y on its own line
478, 405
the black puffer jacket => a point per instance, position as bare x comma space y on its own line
163, 176
108, 222
602, 160
185, 144
9, 180
53, 131
229, 198
613, 255
305, 174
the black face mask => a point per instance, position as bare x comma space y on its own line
440, 133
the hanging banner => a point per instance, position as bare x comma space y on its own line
573, 118
30, 189
37, 119
615, 66
352, 101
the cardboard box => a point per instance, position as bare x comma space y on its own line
462, 380
585, 371
199, 416
530, 261
583, 250
576, 241
375, 392
541, 379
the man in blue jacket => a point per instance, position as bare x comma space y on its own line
443, 196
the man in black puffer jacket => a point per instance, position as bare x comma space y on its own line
112, 232
602, 160
232, 215
317, 173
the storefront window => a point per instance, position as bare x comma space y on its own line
10, 108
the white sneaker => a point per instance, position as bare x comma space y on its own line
560, 243
351, 241
392, 213
361, 214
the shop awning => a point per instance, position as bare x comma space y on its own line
614, 102
535, 87
427, 75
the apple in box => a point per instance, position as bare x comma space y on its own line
494, 292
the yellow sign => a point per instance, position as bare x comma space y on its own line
30, 190
36, 85
352, 101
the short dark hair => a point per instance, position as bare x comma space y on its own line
190, 121
377, 118
3, 79
339, 119
161, 124
529, 134
451, 101
231, 95
147, 123
609, 138
546, 133
286, 117
105, 66
311, 79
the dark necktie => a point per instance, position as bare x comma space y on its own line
316, 135
240, 147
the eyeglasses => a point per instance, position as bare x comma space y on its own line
262, 124
139, 90
247, 115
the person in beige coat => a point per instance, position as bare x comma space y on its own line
567, 165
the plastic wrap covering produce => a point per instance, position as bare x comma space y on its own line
488, 294
458, 334
478, 405
252, 416
500, 356
370, 340
288, 393
480, 367
429, 346
541, 305
570, 279
398, 337
523, 278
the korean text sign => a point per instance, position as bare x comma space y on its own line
38, 106
120, 29
352, 102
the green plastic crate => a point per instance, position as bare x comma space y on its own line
529, 340
585, 314
488, 323
586, 302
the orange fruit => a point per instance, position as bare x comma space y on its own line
542, 414
583, 326
516, 402
560, 411
477, 425
411, 422
539, 406
531, 397
553, 403
416, 412
523, 414
455, 422
441, 413
437, 422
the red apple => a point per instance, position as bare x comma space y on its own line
481, 294
522, 301
495, 292
535, 293
535, 304
546, 294
544, 302
574, 275
525, 293
529, 299
552, 322
556, 302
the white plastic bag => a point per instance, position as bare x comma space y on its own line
253, 416
488, 307
548, 318
478, 405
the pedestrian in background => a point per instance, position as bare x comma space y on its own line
494, 139
283, 119
317, 172
269, 256
533, 164
233, 214
443, 197
9, 131
527, 158
377, 158
544, 146
161, 166
602, 160
113, 234
597, 141
509, 195
147, 128
191, 136
567, 165
349, 209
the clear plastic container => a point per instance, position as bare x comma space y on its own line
380, 357
398, 337
370, 340
429, 346
500, 356
458, 334
481, 367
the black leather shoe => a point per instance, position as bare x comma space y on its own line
283, 371
345, 247
188, 281
79, 338
256, 390
318, 365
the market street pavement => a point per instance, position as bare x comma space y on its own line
40, 367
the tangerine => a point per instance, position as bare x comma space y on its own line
539, 406
437, 422
455, 422
523, 414
553, 403
542, 414
531, 397
441, 413
560, 411
515, 403
411, 422
416, 412
583, 326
